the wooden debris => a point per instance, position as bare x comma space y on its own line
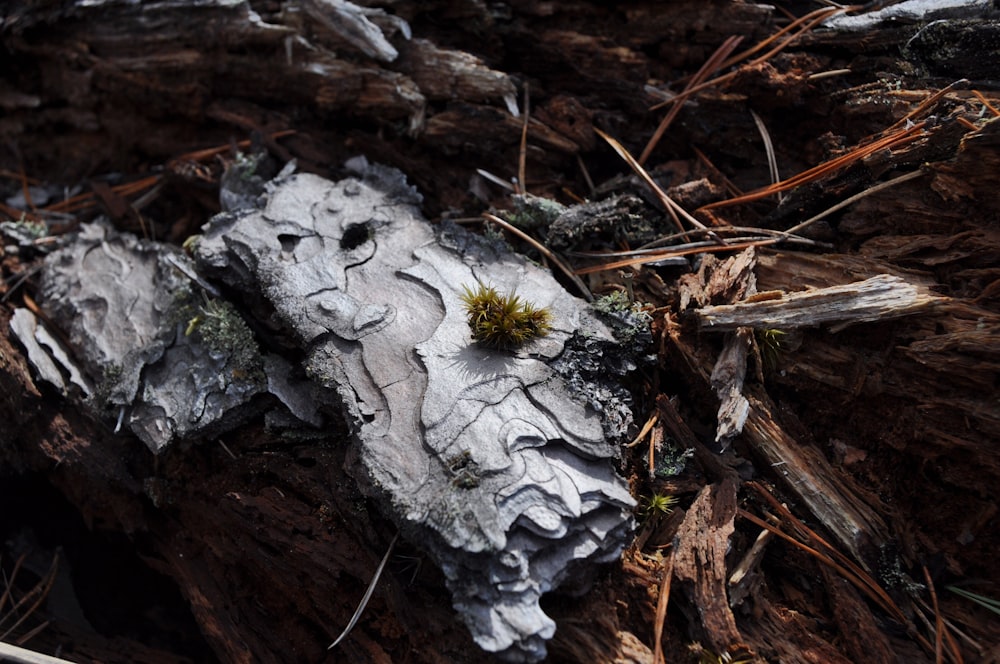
809, 476
700, 548
878, 298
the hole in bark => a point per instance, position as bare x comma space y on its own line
288, 242
355, 235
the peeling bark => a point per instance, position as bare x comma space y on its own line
497, 462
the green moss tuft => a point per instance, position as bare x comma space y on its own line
503, 321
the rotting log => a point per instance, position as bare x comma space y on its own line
906, 407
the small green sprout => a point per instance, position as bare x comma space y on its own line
658, 503
770, 344
709, 657
503, 321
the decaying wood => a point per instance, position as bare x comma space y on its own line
903, 409
484, 457
879, 298
864, 640
700, 548
808, 475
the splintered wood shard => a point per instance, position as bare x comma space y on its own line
484, 457
878, 298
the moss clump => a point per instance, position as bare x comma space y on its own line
503, 321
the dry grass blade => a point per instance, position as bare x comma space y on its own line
367, 596
545, 251
500, 182
772, 160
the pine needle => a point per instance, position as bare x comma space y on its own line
368, 594
772, 160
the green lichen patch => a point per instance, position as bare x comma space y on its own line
223, 331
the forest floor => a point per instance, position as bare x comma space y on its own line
845, 520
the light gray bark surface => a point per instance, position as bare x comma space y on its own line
498, 462
483, 457
129, 313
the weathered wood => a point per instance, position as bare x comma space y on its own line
495, 461
700, 548
807, 474
879, 298
913, 399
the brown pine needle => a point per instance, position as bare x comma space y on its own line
37, 593
86, 200
967, 124
928, 103
716, 173
661, 608
804, 24
672, 208
986, 102
938, 624
807, 22
650, 423
545, 251
941, 631
894, 140
871, 590
711, 65
862, 580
